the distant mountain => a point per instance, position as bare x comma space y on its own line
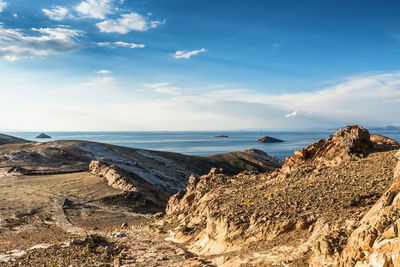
385, 128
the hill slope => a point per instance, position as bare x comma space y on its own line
8, 139
302, 213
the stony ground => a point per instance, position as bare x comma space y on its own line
85, 229
129, 247
264, 213
344, 190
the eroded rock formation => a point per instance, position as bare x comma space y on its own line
127, 181
342, 146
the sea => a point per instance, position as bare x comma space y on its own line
201, 143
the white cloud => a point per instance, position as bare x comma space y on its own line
293, 114
120, 44
188, 54
3, 5
369, 99
99, 82
15, 45
97, 9
128, 22
57, 13
103, 72
165, 88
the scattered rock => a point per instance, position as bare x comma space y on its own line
376, 241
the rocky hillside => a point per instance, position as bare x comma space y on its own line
8, 139
375, 242
163, 171
301, 214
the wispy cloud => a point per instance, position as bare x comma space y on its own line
360, 99
56, 13
120, 44
165, 88
128, 22
3, 5
293, 114
97, 9
103, 72
15, 45
99, 82
188, 54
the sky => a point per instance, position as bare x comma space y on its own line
155, 65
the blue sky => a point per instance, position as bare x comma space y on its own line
198, 65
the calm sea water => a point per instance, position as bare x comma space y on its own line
200, 143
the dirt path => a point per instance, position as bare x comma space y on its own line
142, 248
64, 215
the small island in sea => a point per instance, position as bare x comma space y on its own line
269, 139
43, 136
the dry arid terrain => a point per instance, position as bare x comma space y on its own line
75, 203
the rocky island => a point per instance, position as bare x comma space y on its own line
269, 139
43, 136
333, 203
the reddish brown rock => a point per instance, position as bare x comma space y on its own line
345, 144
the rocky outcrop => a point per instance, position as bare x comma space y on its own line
127, 181
117, 177
376, 241
382, 143
268, 139
345, 145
